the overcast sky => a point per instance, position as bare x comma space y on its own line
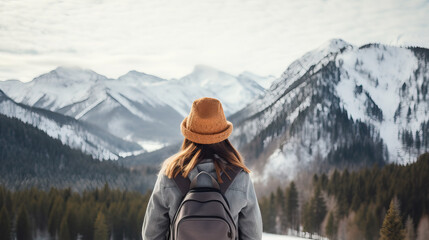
167, 38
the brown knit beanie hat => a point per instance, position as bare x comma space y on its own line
206, 123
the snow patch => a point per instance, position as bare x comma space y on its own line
281, 164
151, 146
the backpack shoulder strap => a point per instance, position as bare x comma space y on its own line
182, 183
228, 177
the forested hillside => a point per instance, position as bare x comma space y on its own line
352, 205
64, 214
29, 157
344, 205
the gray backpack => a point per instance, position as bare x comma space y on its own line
204, 212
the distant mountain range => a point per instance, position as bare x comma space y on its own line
136, 107
337, 106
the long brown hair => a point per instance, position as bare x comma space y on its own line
191, 153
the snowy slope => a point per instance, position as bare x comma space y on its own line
78, 135
136, 107
339, 105
392, 78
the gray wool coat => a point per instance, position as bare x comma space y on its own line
166, 197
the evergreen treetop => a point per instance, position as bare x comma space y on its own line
392, 228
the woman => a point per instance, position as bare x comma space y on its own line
205, 148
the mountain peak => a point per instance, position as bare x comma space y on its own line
68, 69
202, 71
72, 70
140, 77
316, 58
203, 75
334, 45
68, 73
134, 73
337, 43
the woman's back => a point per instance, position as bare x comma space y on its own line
212, 156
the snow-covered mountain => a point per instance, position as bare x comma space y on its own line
342, 105
79, 135
139, 79
136, 107
204, 81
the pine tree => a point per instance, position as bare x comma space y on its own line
72, 222
418, 142
319, 209
331, 229
292, 206
307, 218
268, 212
64, 229
264, 213
100, 228
392, 228
409, 114
23, 228
5, 227
314, 212
117, 214
281, 209
55, 216
42, 211
271, 214
86, 222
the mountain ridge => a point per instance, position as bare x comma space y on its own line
300, 107
137, 106
79, 135
326, 112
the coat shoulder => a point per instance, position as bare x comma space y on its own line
165, 181
240, 182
